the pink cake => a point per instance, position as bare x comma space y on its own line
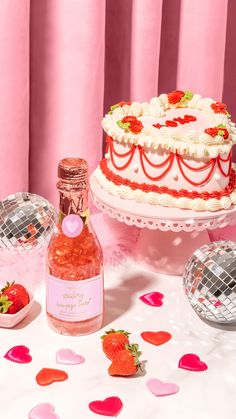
175, 151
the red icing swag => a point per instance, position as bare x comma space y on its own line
168, 163
182, 193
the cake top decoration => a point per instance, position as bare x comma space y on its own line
180, 121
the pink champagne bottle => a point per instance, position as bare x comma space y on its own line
74, 259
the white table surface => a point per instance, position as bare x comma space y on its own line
203, 395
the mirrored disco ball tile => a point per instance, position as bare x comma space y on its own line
26, 222
210, 281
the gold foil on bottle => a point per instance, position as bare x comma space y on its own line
73, 186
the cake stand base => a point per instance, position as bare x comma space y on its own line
168, 236
167, 251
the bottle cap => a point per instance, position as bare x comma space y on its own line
73, 169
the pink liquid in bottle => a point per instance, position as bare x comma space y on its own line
74, 260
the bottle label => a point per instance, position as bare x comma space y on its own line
75, 300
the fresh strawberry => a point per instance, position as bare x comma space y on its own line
13, 298
18, 291
10, 304
114, 341
126, 362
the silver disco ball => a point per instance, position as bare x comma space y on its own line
210, 281
26, 222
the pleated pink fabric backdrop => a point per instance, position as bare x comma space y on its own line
14, 95
64, 62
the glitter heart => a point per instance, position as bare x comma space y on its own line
152, 299
159, 388
48, 376
72, 225
108, 407
19, 354
192, 362
156, 338
43, 411
69, 357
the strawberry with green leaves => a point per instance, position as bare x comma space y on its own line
126, 362
13, 298
114, 341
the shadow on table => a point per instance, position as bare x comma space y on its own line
120, 299
34, 312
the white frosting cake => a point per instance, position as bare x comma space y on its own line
174, 151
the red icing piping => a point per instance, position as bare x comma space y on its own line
126, 164
228, 159
181, 162
169, 159
112, 151
118, 180
196, 169
221, 170
141, 152
174, 122
110, 144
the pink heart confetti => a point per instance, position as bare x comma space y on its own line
111, 406
19, 354
153, 299
192, 362
68, 357
72, 225
43, 411
159, 388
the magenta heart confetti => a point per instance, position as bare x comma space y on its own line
43, 411
192, 362
159, 388
154, 299
19, 354
111, 406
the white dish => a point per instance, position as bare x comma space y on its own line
11, 320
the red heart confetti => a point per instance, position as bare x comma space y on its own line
48, 376
156, 338
19, 354
111, 406
192, 362
154, 299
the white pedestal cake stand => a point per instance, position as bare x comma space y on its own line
168, 236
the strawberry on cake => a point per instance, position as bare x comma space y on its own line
175, 151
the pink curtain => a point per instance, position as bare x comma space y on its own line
64, 62
14, 95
